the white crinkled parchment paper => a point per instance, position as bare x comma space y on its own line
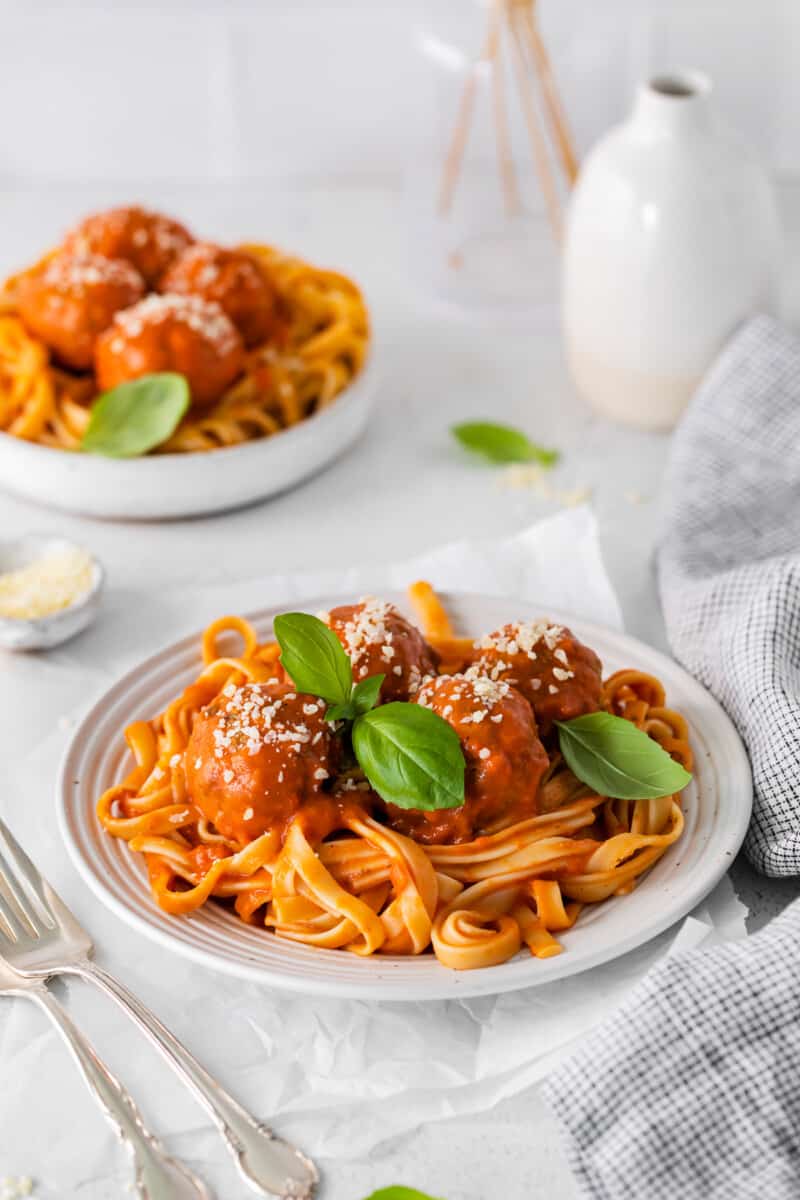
340, 1076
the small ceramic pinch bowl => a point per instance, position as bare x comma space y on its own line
41, 633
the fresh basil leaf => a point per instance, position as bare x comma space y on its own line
399, 1193
502, 444
614, 758
136, 416
313, 657
411, 756
365, 694
363, 697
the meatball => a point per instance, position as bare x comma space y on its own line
557, 674
257, 754
148, 240
171, 333
380, 641
505, 760
233, 279
73, 298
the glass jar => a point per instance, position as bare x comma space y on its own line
488, 184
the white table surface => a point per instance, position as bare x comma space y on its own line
404, 488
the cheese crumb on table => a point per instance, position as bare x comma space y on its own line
49, 584
13, 1187
530, 475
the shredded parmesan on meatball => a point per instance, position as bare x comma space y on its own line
77, 272
205, 317
522, 637
491, 691
166, 235
208, 261
414, 681
487, 694
251, 718
368, 627
495, 672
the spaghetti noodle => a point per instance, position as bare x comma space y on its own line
336, 875
318, 346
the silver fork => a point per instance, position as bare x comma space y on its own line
157, 1175
51, 942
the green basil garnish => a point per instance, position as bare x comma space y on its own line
502, 444
363, 697
313, 656
136, 416
411, 756
365, 694
614, 758
398, 1192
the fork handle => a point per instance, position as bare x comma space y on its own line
158, 1176
267, 1163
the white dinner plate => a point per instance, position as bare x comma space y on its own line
716, 805
166, 486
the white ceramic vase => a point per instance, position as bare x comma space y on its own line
672, 240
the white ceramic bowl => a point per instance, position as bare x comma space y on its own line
186, 485
41, 633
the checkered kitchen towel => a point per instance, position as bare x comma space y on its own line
729, 567
692, 1090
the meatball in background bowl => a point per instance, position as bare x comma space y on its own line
230, 278
72, 299
185, 334
148, 240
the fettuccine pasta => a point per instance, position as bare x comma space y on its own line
339, 869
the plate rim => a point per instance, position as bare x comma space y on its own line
447, 984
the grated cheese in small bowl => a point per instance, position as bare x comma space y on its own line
49, 591
54, 581
14, 1187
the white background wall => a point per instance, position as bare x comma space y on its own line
300, 89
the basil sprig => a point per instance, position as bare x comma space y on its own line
413, 758
398, 1192
363, 697
614, 758
502, 444
409, 754
136, 416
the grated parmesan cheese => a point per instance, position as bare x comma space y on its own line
522, 637
520, 476
49, 584
13, 1187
